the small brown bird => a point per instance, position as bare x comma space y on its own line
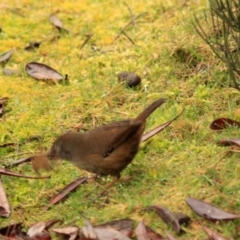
105, 150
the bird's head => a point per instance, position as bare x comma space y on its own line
59, 150
55, 152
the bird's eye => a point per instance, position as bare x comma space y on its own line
106, 154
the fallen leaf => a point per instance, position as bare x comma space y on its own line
64, 192
42, 72
9, 72
39, 230
229, 142
158, 129
212, 235
154, 235
40, 236
223, 123
11, 232
57, 23
141, 231
50, 223
14, 174
5, 56
36, 229
4, 204
72, 232
170, 218
169, 236
124, 226
109, 234
102, 233
88, 230
209, 211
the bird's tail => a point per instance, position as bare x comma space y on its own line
147, 111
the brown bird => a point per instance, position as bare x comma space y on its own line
105, 150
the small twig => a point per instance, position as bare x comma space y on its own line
88, 37
96, 53
127, 25
225, 153
18, 162
17, 154
13, 11
131, 13
16, 12
124, 33
204, 36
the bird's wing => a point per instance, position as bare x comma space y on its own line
121, 135
110, 136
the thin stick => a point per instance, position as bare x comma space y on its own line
17, 154
96, 53
124, 33
13, 11
18, 162
225, 153
88, 36
109, 186
131, 13
127, 25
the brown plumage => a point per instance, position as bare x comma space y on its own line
105, 150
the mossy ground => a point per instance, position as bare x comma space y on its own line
173, 62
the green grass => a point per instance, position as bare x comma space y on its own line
182, 161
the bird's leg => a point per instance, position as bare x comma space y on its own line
109, 185
105, 189
92, 178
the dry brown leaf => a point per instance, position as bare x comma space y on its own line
15, 174
72, 232
141, 231
213, 235
57, 23
208, 211
223, 123
4, 204
158, 129
65, 191
5, 56
41, 71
